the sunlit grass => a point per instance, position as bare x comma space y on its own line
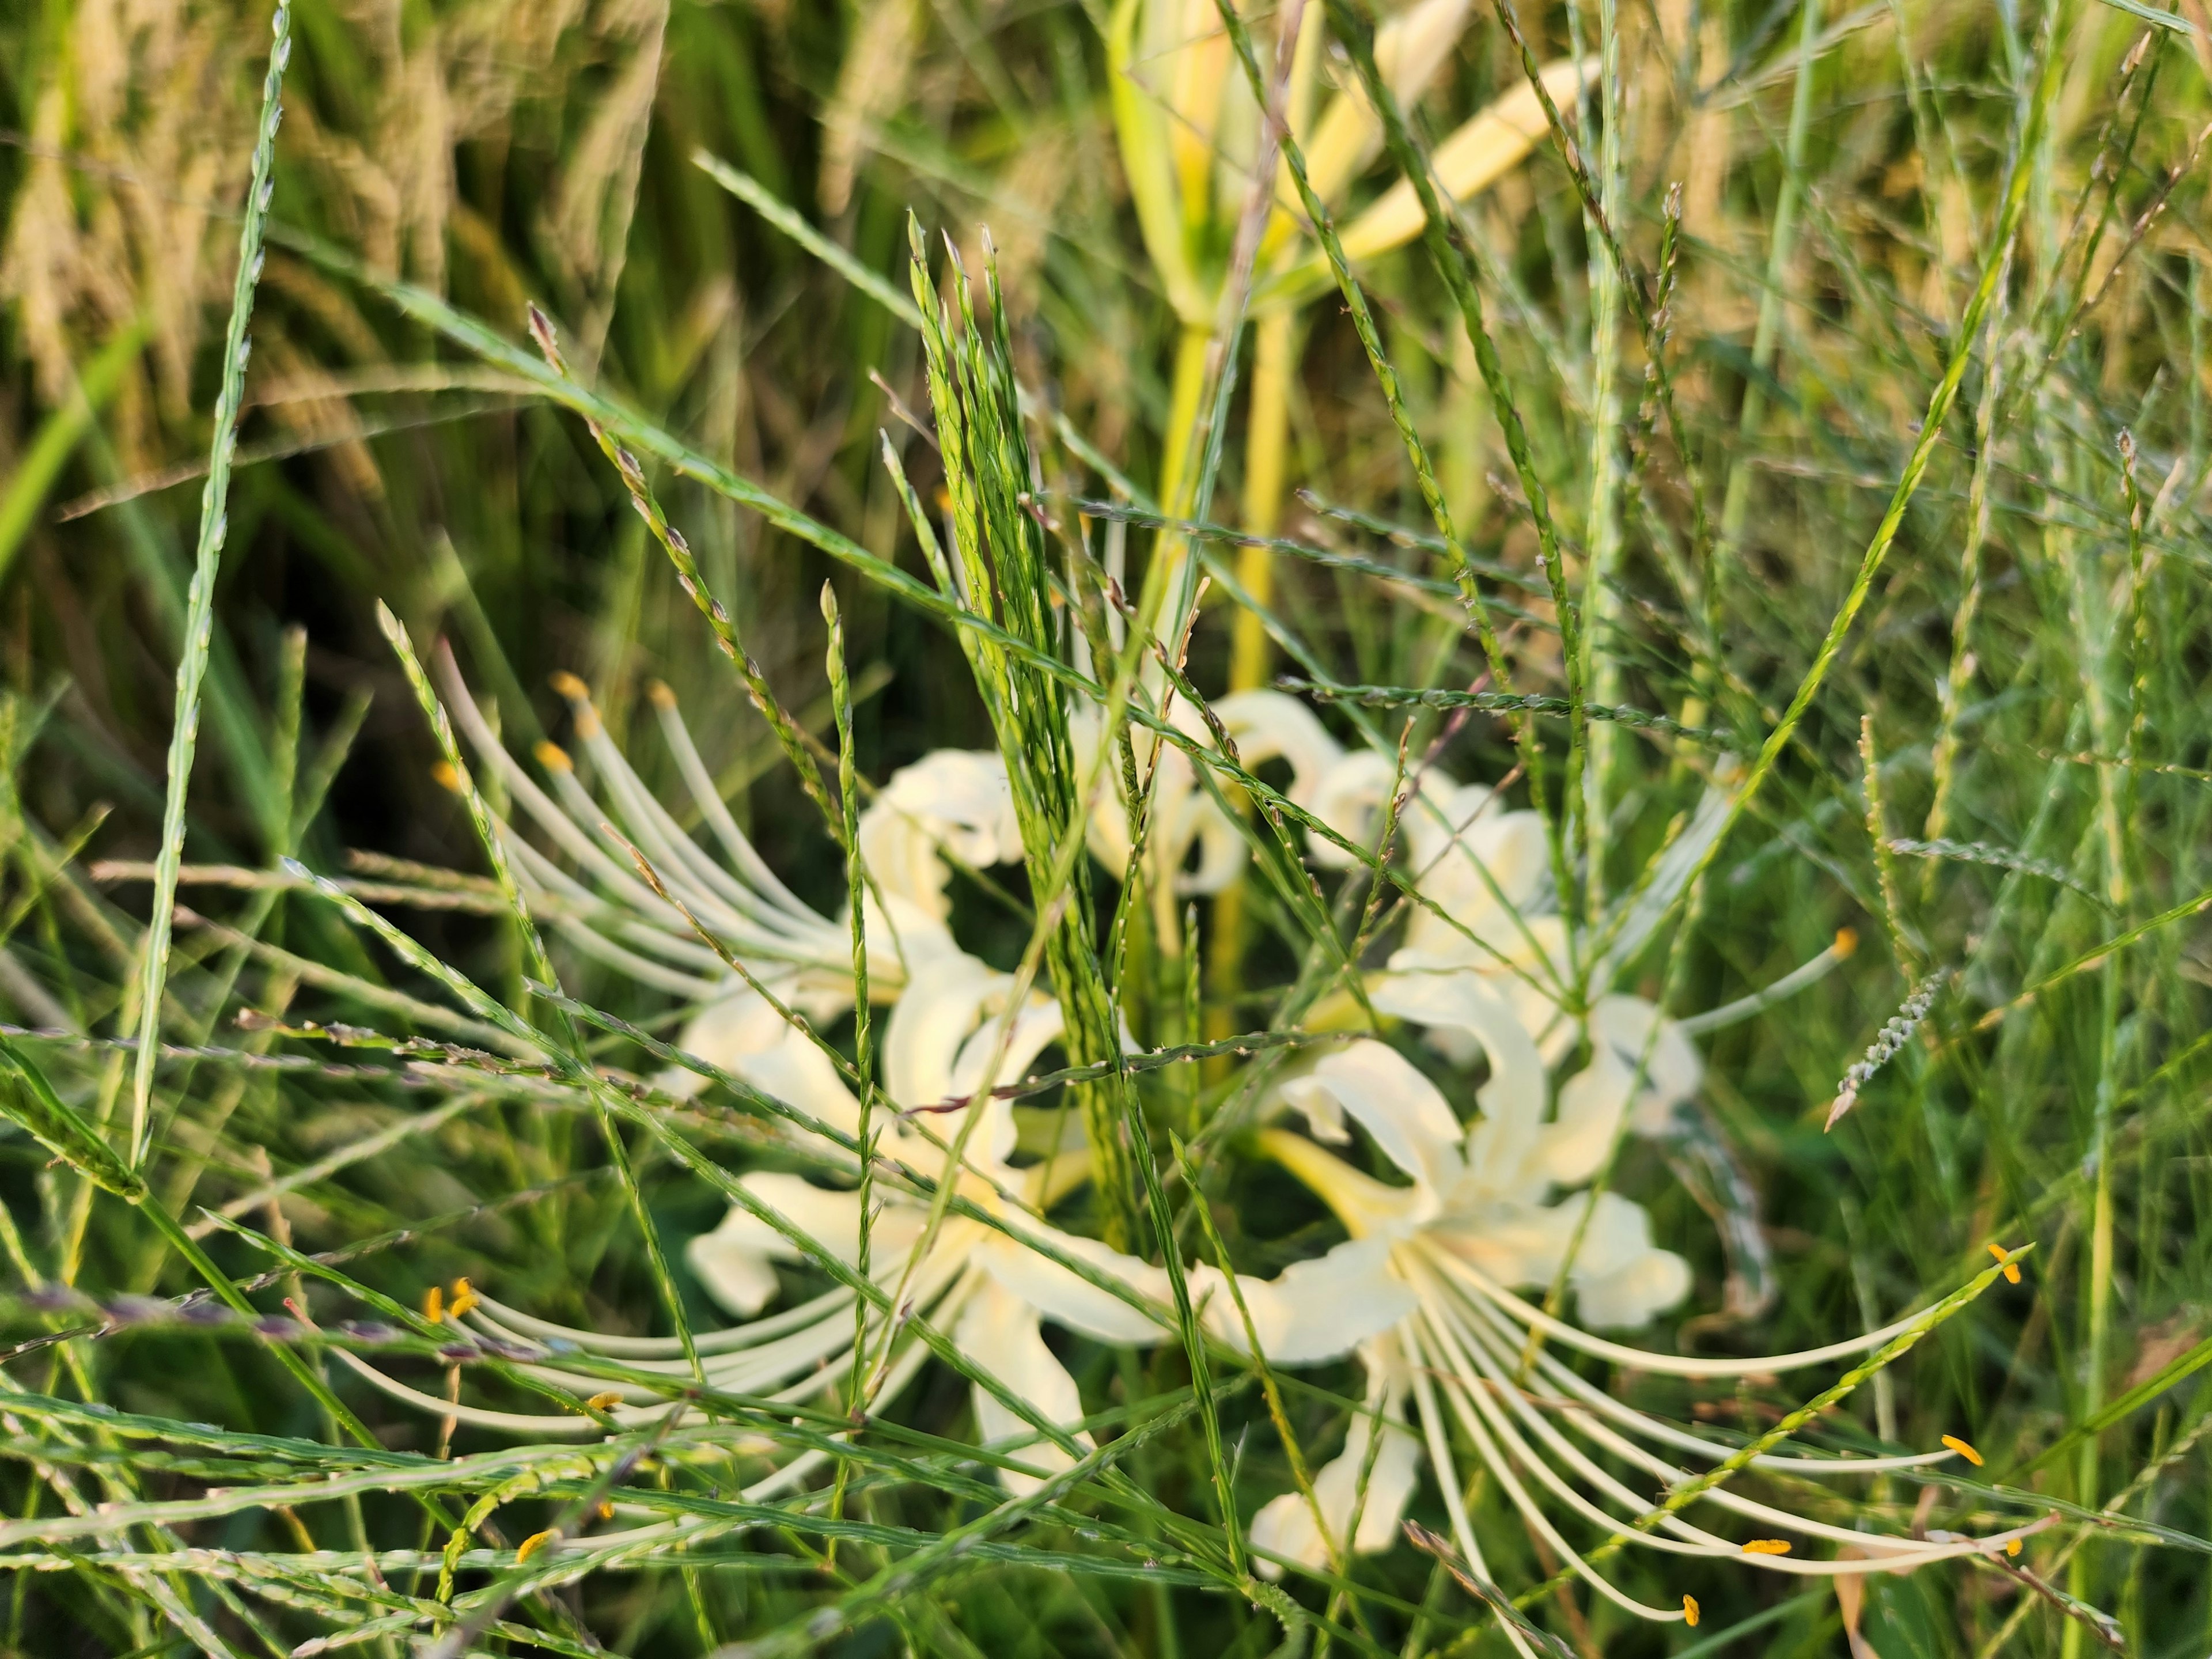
1781, 476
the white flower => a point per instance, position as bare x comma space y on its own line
1474, 1220
953, 1034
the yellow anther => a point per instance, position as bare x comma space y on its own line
607, 1511
2004, 1259
553, 757
464, 1297
445, 777
604, 1402
434, 1305
2012, 1547
659, 695
536, 1541
1690, 1611
570, 687
1963, 1449
1846, 942
1767, 1547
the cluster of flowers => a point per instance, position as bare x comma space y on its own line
1426, 1287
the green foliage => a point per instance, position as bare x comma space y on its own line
1822, 414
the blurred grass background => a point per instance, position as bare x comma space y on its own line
2032, 663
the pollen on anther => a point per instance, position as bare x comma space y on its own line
1767, 1547
569, 686
445, 777
434, 1305
1963, 1449
604, 1402
2004, 1259
464, 1297
657, 693
553, 757
2012, 1547
1690, 1611
1846, 942
530, 1546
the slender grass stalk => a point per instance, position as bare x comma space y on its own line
199, 610
2021, 175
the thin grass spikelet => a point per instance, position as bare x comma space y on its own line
1884, 1049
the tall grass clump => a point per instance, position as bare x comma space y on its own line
1166, 826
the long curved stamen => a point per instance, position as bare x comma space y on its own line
1652, 1428
1809, 972
651, 826
1501, 1468
748, 863
1668, 1364
1496, 1356
579, 1424
513, 1322
1446, 1471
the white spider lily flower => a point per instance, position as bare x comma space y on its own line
1474, 1220
988, 1289
952, 1027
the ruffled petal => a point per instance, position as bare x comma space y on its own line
1269, 726
1284, 1527
956, 800
1349, 798
1065, 1297
1381, 1092
1673, 1070
931, 1019
1498, 1146
1633, 1293
1000, 1333
743, 1035
734, 1260
1313, 1311
1570, 1148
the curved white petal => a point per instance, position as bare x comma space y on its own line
1268, 725
733, 1260
1633, 1293
1313, 1310
1286, 1526
743, 1035
1498, 1146
1673, 1069
1065, 1297
1349, 798
1619, 1278
1482, 866
956, 799
733, 1264
1038, 1026
1000, 1333
1382, 1092
931, 1020
1570, 1148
